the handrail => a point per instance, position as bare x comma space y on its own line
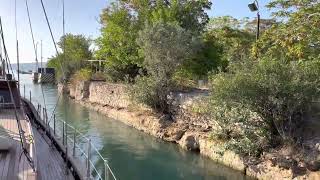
72, 139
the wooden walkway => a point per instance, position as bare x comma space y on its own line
14, 164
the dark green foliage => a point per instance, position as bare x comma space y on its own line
297, 36
242, 130
233, 44
190, 15
117, 44
165, 47
279, 92
122, 21
207, 58
153, 92
76, 51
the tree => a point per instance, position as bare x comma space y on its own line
75, 50
224, 21
117, 43
165, 47
122, 21
230, 39
265, 24
278, 94
190, 15
297, 37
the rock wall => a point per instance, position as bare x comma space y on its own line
190, 133
187, 130
109, 94
80, 91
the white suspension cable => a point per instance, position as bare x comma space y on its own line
35, 51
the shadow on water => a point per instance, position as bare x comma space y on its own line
132, 154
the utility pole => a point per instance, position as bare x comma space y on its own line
255, 7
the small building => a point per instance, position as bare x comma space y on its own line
46, 75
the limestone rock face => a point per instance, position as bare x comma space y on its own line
317, 146
190, 142
109, 94
82, 90
266, 170
188, 129
313, 165
63, 88
215, 151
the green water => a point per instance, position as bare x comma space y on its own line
132, 154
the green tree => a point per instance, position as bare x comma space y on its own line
297, 36
224, 21
165, 47
265, 24
230, 39
75, 50
122, 21
277, 93
190, 15
117, 43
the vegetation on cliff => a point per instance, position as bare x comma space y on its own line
75, 50
261, 89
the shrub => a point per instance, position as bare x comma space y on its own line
277, 91
122, 73
83, 74
165, 47
242, 130
98, 76
153, 92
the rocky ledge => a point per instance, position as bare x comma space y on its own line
192, 133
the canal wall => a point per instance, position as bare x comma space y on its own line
189, 130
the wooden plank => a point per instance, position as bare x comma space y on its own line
51, 164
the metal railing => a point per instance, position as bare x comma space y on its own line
77, 146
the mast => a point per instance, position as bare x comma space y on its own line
17, 45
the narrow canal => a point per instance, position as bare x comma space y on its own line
132, 154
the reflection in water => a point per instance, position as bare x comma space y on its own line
132, 154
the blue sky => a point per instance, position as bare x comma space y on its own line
81, 18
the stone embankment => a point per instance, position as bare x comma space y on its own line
189, 130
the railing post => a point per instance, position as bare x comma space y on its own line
46, 117
54, 124
40, 108
63, 126
74, 143
43, 116
24, 91
66, 160
66, 135
30, 96
88, 160
106, 171
48, 123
